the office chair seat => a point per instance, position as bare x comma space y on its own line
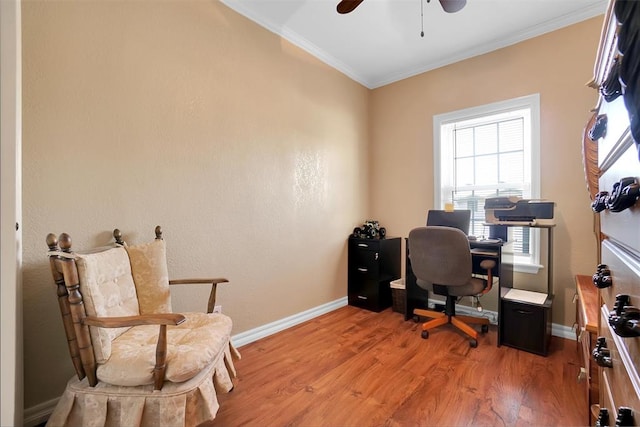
474, 287
441, 261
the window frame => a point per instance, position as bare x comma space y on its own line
529, 264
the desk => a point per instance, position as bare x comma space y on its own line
416, 297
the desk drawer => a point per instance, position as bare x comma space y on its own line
364, 264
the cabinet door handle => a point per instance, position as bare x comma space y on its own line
362, 269
362, 297
526, 312
363, 245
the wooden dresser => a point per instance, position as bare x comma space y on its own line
617, 79
587, 315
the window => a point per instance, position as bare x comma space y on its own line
487, 151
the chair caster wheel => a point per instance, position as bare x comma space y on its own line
416, 318
424, 335
473, 343
484, 329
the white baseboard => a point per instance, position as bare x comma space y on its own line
263, 331
563, 331
40, 413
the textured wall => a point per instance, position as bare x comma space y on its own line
250, 153
557, 66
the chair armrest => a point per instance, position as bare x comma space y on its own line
488, 264
214, 284
161, 319
197, 281
143, 319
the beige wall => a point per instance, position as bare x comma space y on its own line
557, 66
250, 153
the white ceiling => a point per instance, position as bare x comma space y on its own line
379, 42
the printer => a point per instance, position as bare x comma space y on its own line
517, 211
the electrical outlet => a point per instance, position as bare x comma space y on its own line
217, 309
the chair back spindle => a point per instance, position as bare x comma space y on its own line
72, 307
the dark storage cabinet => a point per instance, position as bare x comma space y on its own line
373, 264
526, 326
523, 324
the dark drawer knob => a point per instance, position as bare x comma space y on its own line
625, 416
600, 201
599, 128
603, 358
602, 278
622, 300
601, 354
625, 319
625, 193
603, 418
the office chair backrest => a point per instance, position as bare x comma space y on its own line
440, 255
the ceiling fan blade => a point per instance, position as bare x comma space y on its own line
452, 6
346, 6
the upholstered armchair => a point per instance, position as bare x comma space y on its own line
137, 363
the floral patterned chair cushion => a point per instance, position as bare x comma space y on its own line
150, 275
108, 290
191, 346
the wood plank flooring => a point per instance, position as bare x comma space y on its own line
352, 367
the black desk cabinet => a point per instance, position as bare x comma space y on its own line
526, 326
373, 264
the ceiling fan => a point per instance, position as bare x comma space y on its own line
450, 6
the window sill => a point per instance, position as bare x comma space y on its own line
527, 268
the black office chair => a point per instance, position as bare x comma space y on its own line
441, 261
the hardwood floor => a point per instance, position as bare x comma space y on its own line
352, 367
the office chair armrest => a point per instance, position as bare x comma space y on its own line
214, 285
488, 264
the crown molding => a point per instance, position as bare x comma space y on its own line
297, 40
304, 44
525, 34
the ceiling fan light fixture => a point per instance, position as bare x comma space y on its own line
452, 6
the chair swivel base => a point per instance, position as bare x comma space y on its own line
460, 322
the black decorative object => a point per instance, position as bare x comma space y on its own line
601, 354
625, 416
600, 201
599, 129
625, 318
370, 230
625, 193
611, 87
602, 278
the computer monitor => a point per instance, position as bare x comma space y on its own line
459, 219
